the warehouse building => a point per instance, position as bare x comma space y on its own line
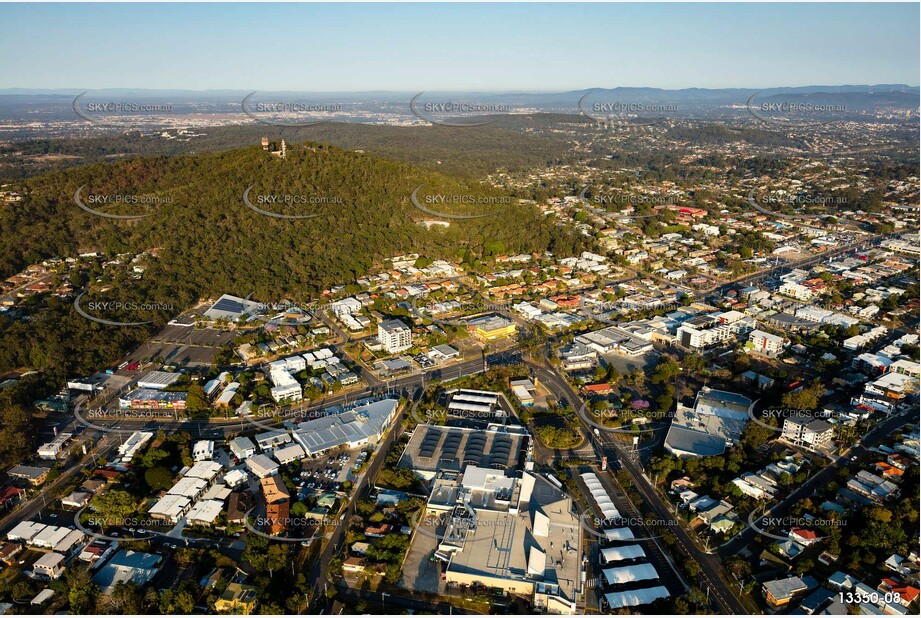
433, 448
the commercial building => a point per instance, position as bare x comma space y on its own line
615, 340
52, 449
715, 422
365, 424
490, 327
518, 535
152, 399
231, 308
158, 380
467, 402
135, 442
395, 336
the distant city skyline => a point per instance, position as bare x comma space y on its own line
456, 47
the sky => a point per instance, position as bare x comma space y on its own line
460, 47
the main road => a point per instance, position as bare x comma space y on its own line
710, 576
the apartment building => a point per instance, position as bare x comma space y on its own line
395, 336
808, 432
764, 343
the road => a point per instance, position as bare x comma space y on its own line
820, 479
40, 499
710, 576
334, 545
780, 270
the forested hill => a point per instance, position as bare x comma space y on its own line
211, 242
472, 152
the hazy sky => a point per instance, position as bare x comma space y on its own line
498, 47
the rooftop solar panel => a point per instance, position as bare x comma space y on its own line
226, 304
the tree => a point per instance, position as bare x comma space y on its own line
15, 435
805, 398
81, 591
158, 478
692, 568
114, 507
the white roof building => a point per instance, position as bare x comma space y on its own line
601, 497
629, 574
170, 507
262, 466
618, 534
50, 536
158, 380
242, 447
289, 454
617, 554
633, 598
203, 450
205, 470
189, 487
235, 478
25, 531
205, 512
